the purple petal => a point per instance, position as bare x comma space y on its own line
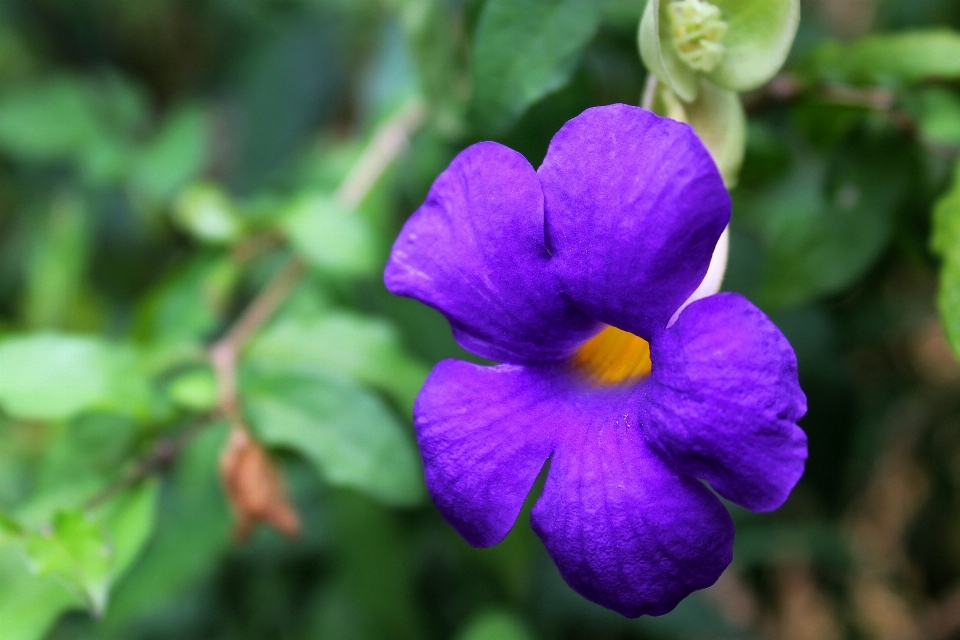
476, 252
626, 530
724, 402
484, 434
634, 208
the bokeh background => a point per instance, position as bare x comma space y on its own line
161, 161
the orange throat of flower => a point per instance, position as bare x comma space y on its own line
614, 357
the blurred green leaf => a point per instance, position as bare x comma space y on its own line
29, 603
48, 120
10, 529
192, 534
129, 519
176, 154
57, 265
331, 236
337, 343
939, 115
50, 376
496, 625
349, 435
76, 552
207, 213
188, 305
525, 49
194, 389
824, 226
908, 56
946, 243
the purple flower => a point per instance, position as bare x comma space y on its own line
569, 275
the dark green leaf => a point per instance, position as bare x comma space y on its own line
525, 49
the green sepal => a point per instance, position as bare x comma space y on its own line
758, 39
658, 53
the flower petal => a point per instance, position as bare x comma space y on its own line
634, 207
626, 530
724, 402
484, 434
475, 251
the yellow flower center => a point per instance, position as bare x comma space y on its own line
696, 30
614, 357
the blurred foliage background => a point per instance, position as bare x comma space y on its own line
181, 178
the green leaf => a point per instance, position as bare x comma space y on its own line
75, 552
823, 227
348, 434
331, 236
129, 520
495, 625
29, 603
525, 49
939, 115
194, 389
49, 376
57, 263
946, 243
191, 537
176, 155
909, 56
336, 343
206, 212
50, 120
10, 529
188, 305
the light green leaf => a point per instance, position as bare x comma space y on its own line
174, 156
909, 56
75, 552
10, 529
49, 376
525, 49
194, 389
349, 435
496, 625
207, 213
946, 243
29, 603
334, 343
331, 236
